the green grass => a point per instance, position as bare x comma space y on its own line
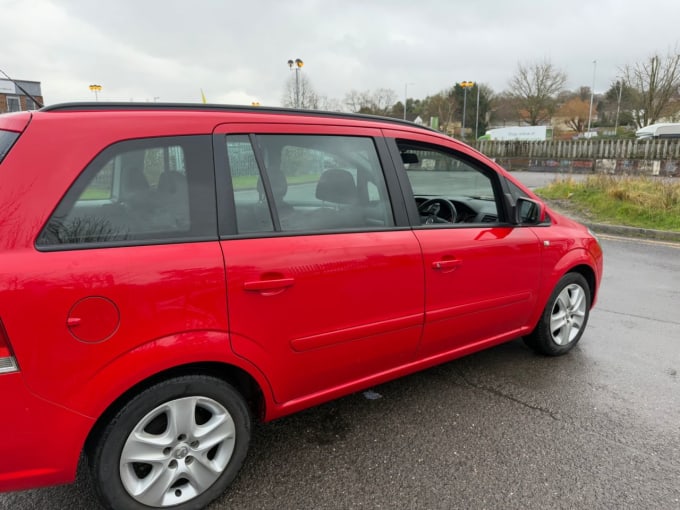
645, 202
96, 194
250, 181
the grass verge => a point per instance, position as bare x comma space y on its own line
644, 202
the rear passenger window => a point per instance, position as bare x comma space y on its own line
139, 192
252, 211
311, 182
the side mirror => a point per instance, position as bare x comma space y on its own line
528, 212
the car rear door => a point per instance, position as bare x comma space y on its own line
482, 274
323, 288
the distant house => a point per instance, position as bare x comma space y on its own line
415, 118
13, 99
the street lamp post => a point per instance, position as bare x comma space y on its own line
466, 85
592, 93
618, 108
297, 65
96, 89
477, 116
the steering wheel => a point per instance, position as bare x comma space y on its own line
438, 210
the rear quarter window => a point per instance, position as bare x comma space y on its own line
148, 191
7, 139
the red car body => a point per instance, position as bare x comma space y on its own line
291, 319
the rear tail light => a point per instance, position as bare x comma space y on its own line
8, 362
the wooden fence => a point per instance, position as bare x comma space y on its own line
652, 149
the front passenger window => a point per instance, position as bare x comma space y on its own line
448, 189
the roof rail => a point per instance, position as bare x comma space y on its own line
101, 105
122, 106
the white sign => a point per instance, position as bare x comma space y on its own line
526, 133
7, 87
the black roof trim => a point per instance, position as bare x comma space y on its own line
88, 106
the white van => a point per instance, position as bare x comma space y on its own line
661, 130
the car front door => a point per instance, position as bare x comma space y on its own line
481, 273
323, 289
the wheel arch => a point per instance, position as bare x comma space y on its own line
574, 263
589, 274
556, 339
581, 261
240, 379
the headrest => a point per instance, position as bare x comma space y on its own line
337, 186
170, 180
133, 179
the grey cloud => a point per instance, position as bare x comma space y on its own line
236, 51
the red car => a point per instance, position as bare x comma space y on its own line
170, 273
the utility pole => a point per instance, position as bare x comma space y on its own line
298, 63
466, 85
592, 93
618, 108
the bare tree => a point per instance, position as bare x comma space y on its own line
384, 100
379, 102
504, 110
309, 99
329, 104
442, 106
535, 87
655, 82
355, 100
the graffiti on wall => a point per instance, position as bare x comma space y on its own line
608, 166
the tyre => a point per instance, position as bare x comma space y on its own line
564, 318
179, 444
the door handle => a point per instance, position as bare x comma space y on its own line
446, 266
267, 286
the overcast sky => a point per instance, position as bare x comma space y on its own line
236, 50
